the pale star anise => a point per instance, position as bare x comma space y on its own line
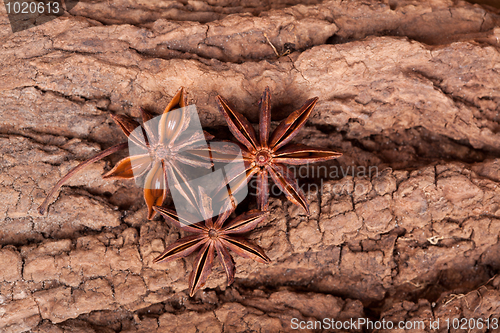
163, 147
268, 154
211, 237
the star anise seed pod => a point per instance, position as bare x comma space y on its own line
267, 155
163, 147
211, 237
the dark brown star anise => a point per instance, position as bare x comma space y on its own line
211, 237
163, 147
268, 154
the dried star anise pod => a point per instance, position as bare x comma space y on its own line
163, 147
268, 154
210, 237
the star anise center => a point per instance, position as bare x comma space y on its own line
213, 234
263, 157
161, 152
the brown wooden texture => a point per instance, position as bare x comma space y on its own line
408, 88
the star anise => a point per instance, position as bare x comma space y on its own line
268, 154
210, 237
162, 146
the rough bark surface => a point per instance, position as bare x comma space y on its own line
404, 226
